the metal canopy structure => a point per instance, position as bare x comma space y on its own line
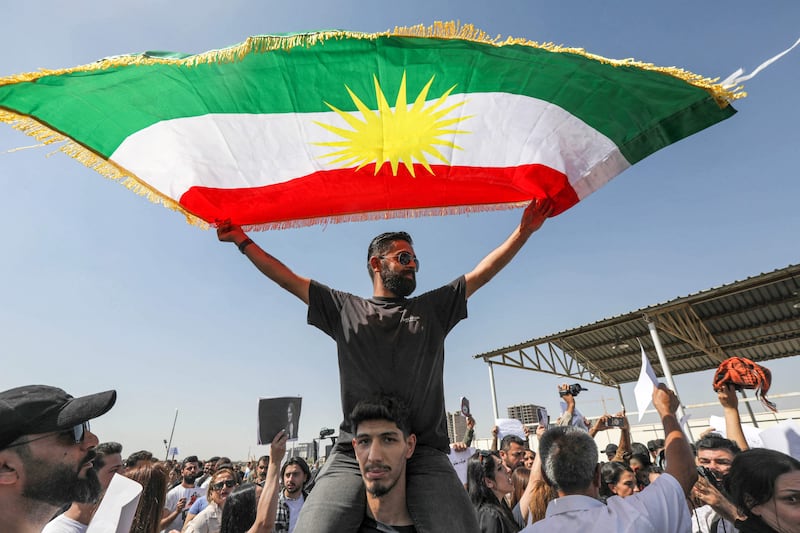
757, 318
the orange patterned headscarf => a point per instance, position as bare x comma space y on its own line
743, 373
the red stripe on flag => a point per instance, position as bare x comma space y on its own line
344, 192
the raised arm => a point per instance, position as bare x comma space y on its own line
268, 265
532, 219
267, 508
733, 424
678, 454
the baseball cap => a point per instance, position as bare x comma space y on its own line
611, 448
40, 409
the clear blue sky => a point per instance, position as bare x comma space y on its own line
101, 289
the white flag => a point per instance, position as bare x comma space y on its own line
643, 391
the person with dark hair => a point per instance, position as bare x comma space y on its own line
182, 496
153, 479
46, 453
251, 508
765, 485
106, 463
617, 479
383, 443
209, 466
394, 344
488, 482
512, 451
569, 456
135, 458
610, 451
260, 473
294, 476
714, 511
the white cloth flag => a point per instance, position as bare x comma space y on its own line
643, 391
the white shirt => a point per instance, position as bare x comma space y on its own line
294, 510
62, 524
659, 508
171, 504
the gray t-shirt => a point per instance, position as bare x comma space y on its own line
392, 346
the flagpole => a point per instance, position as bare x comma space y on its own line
494, 392
667, 372
171, 433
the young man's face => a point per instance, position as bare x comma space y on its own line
398, 278
112, 464
293, 479
382, 451
717, 460
514, 457
190, 472
261, 469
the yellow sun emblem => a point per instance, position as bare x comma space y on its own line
408, 134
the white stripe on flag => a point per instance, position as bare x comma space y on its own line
250, 150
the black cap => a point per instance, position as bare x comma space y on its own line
40, 409
611, 448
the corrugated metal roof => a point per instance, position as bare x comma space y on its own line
757, 318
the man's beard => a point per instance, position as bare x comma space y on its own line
398, 283
191, 478
58, 485
379, 490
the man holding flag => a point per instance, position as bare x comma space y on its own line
391, 344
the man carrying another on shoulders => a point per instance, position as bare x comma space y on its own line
395, 345
383, 444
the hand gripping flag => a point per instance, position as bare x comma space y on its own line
333, 126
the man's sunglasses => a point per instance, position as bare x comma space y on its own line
405, 258
227, 483
77, 433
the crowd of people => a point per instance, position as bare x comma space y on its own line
390, 469
54, 473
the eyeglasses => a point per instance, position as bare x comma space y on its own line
227, 483
405, 258
76, 432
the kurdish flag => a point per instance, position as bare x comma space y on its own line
333, 126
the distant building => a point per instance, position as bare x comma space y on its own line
525, 413
456, 426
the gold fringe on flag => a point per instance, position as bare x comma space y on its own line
438, 30
92, 160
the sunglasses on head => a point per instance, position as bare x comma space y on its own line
77, 433
227, 483
405, 258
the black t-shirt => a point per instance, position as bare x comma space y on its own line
369, 525
392, 346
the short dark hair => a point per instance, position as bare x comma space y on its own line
103, 449
299, 461
508, 440
189, 459
383, 407
263, 458
239, 512
135, 457
717, 442
381, 244
610, 474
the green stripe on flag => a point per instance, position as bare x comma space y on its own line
641, 111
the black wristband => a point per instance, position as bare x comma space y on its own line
244, 244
